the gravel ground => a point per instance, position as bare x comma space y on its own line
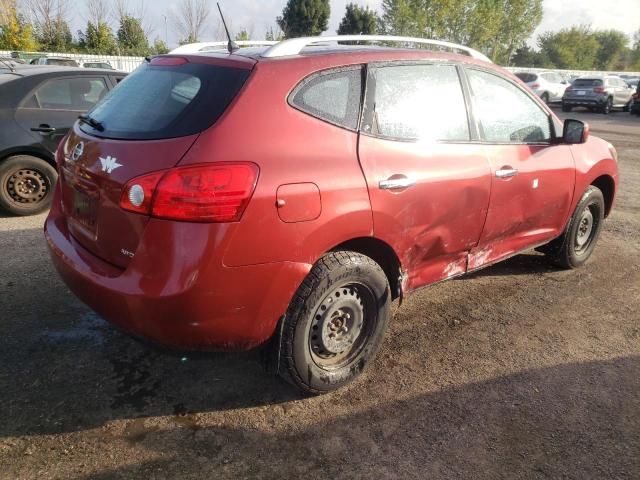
519, 371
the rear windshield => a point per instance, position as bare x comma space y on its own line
527, 77
156, 102
587, 82
61, 62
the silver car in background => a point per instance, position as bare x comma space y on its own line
549, 86
600, 93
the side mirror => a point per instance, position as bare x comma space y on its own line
575, 131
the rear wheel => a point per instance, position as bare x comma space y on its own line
606, 109
545, 98
576, 245
627, 107
26, 184
335, 323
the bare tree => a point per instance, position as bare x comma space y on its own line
7, 7
124, 8
189, 19
98, 11
48, 16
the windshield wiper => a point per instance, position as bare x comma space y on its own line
92, 122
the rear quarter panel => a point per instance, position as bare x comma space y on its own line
290, 147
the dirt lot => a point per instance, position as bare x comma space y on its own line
520, 371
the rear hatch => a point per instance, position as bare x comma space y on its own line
587, 88
147, 124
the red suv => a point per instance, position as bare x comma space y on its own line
219, 201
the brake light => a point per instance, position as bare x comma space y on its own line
535, 86
599, 90
201, 193
168, 61
568, 89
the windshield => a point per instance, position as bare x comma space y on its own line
156, 102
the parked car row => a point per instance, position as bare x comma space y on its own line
601, 93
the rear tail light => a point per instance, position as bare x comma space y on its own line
568, 89
535, 86
599, 90
201, 193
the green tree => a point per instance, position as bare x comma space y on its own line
131, 37
97, 39
358, 20
56, 37
159, 47
496, 27
272, 36
15, 33
574, 48
243, 35
302, 18
527, 57
612, 48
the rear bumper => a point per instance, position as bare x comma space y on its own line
175, 294
585, 101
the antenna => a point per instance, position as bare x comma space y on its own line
232, 46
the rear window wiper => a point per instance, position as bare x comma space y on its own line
84, 118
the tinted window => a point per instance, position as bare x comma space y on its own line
419, 102
157, 102
61, 62
505, 113
527, 77
334, 96
587, 82
80, 94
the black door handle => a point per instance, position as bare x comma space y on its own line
44, 128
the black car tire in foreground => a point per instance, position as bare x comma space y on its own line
27, 184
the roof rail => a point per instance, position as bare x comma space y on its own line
210, 46
295, 45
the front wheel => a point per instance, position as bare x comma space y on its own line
335, 323
576, 245
26, 184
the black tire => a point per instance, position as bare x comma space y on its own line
576, 245
545, 98
26, 184
566, 108
346, 295
606, 108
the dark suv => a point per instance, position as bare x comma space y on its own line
598, 93
38, 106
287, 195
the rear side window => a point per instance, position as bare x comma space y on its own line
156, 102
334, 96
78, 94
587, 82
419, 102
527, 77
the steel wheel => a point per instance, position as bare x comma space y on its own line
341, 325
27, 186
585, 231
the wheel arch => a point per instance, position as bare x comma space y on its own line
32, 152
607, 186
383, 254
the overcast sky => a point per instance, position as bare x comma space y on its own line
259, 15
